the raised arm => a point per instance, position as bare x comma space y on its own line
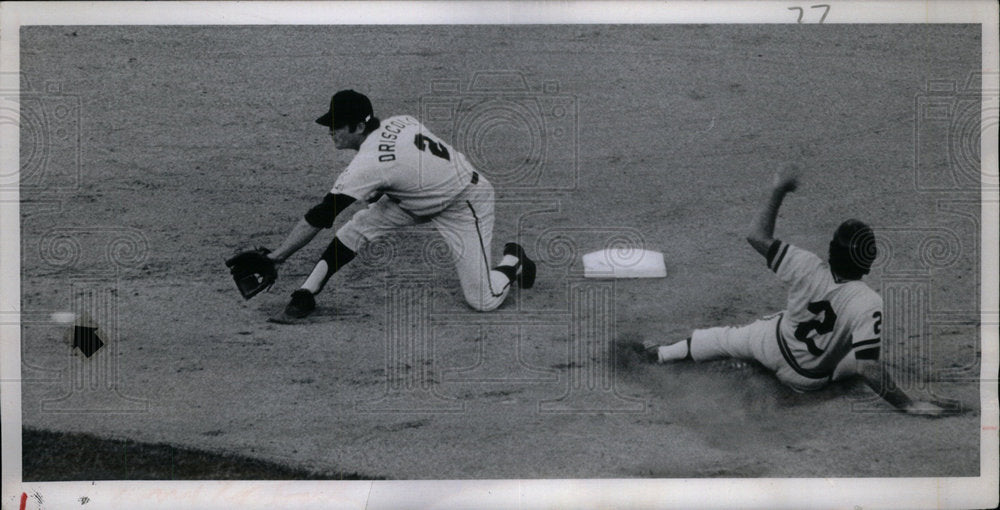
878, 379
319, 217
761, 235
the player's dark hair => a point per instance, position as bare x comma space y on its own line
852, 250
372, 124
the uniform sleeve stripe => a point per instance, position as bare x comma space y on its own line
865, 342
772, 251
781, 257
869, 353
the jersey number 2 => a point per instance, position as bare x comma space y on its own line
424, 143
821, 327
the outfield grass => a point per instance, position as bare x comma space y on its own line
57, 456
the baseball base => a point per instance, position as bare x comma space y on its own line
624, 263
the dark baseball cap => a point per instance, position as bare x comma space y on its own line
351, 108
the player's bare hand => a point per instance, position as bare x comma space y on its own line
919, 408
786, 179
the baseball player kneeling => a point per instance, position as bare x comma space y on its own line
407, 176
831, 328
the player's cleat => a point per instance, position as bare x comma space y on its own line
526, 278
301, 305
649, 353
652, 354
645, 352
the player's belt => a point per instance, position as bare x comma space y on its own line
786, 353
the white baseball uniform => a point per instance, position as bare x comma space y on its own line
410, 177
811, 342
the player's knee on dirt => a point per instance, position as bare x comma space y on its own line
487, 297
350, 235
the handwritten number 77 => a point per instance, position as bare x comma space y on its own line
825, 7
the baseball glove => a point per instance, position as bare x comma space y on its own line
252, 271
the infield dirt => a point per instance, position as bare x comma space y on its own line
194, 142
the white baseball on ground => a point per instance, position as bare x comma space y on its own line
64, 317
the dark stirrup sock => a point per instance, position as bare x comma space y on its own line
336, 256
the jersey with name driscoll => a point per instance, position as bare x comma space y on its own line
824, 320
406, 162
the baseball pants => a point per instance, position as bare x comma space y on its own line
466, 227
755, 341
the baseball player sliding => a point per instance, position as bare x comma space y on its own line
408, 176
831, 328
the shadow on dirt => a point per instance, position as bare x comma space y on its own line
725, 402
59, 456
748, 380
721, 391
